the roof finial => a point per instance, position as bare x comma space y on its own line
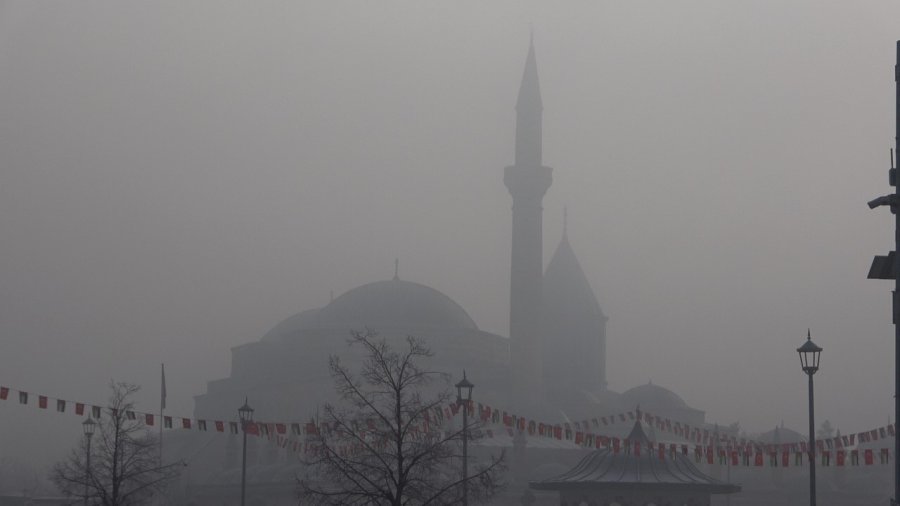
808, 337
396, 269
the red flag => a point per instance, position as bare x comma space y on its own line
220, 426
4, 393
185, 423
841, 457
42, 401
79, 409
251, 428
281, 428
662, 452
785, 459
709, 454
311, 428
734, 458
870, 457
758, 461
148, 419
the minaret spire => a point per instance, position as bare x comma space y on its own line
529, 114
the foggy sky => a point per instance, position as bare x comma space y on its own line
176, 178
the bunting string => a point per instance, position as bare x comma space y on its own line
705, 445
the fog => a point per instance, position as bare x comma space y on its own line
176, 178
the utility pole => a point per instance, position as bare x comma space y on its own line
888, 267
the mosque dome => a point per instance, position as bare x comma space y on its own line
652, 396
382, 304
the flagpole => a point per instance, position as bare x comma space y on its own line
162, 407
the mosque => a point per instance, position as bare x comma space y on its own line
552, 366
557, 342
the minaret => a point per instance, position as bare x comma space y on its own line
527, 182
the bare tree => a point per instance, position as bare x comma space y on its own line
125, 464
385, 445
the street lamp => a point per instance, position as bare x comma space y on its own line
809, 360
246, 414
464, 398
88, 426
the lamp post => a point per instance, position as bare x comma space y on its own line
464, 398
809, 360
88, 426
246, 414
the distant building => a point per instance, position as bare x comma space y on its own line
552, 366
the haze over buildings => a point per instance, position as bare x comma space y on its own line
174, 178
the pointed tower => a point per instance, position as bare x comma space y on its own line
527, 181
573, 328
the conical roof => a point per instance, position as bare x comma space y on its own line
573, 327
636, 471
566, 288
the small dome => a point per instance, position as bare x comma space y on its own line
302, 320
653, 397
394, 303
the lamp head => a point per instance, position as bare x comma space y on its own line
810, 354
464, 389
245, 412
89, 426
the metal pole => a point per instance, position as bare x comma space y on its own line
896, 304
87, 470
465, 457
244, 465
812, 445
